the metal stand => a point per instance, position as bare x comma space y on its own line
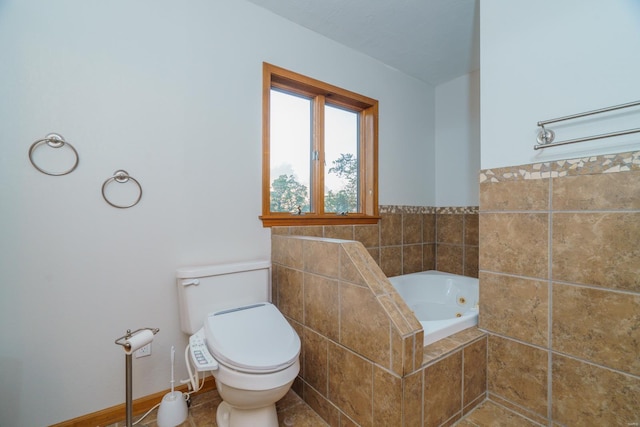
123, 341
129, 393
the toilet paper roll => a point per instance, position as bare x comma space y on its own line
138, 340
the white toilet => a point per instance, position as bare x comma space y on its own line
241, 337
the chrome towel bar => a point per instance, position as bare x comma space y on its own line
546, 136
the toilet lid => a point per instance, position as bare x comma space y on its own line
255, 338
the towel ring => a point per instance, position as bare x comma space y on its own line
121, 176
53, 140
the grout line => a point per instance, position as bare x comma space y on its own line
594, 364
550, 307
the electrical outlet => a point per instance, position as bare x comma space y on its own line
143, 351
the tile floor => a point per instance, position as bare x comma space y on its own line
293, 411
490, 414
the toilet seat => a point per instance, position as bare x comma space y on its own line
252, 339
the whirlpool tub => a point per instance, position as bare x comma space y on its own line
443, 303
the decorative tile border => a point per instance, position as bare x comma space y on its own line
457, 210
608, 163
399, 209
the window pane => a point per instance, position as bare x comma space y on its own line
341, 160
290, 136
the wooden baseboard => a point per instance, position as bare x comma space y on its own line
117, 413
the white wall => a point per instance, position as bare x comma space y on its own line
171, 92
546, 59
458, 141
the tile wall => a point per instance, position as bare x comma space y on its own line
409, 239
363, 361
559, 269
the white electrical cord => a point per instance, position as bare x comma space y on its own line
148, 412
194, 379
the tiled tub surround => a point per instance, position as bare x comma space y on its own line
562, 240
363, 361
409, 239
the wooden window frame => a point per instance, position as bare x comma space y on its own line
289, 81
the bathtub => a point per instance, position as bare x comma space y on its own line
443, 303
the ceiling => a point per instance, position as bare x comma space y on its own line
432, 40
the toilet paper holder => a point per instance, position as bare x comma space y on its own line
125, 342
130, 342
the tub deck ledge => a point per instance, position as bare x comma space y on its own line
440, 349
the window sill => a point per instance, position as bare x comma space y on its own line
309, 220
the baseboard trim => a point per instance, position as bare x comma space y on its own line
117, 413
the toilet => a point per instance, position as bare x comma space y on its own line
237, 334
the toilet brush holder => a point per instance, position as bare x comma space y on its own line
173, 410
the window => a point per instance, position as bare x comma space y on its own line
320, 152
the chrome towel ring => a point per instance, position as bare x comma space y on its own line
121, 176
53, 140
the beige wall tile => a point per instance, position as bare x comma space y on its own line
321, 305
412, 405
515, 243
600, 191
411, 228
449, 258
518, 373
316, 363
475, 371
390, 229
471, 261
471, 229
364, 325
287, 251
597, 325
372, 275
597, 249
350, 266
397, 350
387, 398
289, 289
409, 315
418, 349
321, 257
344, 232
408, 348
474, 403
443, 390
351, 384
428, 228
411, 258
428, 256
311, 231
585, 394
368, 235
515, 306
375, 254
345, 421
391, 260
397, 317
450, 228
532, 194
299, 328
322, 406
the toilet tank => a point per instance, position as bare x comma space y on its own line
206, 289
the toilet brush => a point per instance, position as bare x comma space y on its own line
173, 408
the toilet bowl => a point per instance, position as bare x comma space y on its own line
258, 358
251, 349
